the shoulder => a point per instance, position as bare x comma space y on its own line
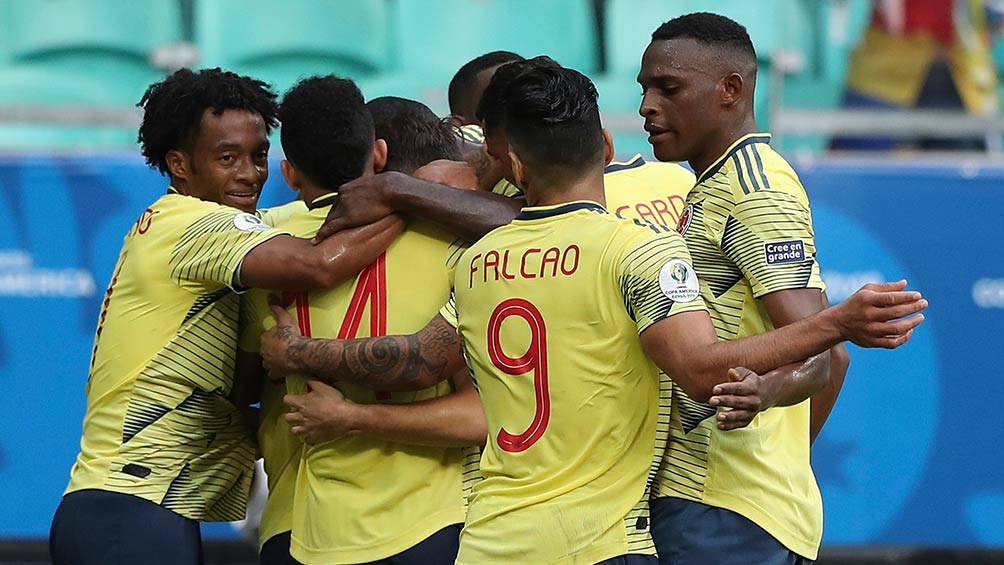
277, 215
780, 174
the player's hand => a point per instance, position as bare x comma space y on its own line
360, 203
321, 415
457, 174
280, 344
880, 315
746, 394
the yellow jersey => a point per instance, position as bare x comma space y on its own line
159, 424
652, 192
279, 448
358, 499
571, 427
749, 229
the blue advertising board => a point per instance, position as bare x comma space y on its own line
910, 456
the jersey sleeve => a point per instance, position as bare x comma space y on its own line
657, 280
769, 236
211, 249
449, 310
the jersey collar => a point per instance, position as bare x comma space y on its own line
172, 190
541, 212
632, 163
748, 139
323, 200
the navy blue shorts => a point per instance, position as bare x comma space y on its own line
438, 549
96, 527
691, 533
275, 551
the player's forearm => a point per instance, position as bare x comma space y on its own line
796, 382
392, 363
289, 263
455, 420
823, 401
343, 255
468, 213
763, 353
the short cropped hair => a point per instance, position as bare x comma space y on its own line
327, 133
492, 105
461, 95
710, 29
173, 108
415, 136
552, 121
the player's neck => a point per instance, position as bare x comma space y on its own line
584, 189
720, 143
310, 192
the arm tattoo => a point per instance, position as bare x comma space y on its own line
392, 362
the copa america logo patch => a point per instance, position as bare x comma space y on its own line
249, 222
678, 281
685, 218
784, 252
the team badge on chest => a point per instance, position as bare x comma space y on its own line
685, 218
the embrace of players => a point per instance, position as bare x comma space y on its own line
471, 341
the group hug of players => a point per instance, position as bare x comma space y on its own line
526, 354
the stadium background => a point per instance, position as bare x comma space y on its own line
911, 457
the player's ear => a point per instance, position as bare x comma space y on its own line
179, 164
608, 147
291, 175
379, 155
732, 89
517, 169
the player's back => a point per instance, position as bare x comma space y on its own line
649, 191
568, 393
359, 499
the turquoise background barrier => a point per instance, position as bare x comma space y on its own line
910, 456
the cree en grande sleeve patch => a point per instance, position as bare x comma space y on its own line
784, 252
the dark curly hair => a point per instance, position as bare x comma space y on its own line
552, 121
491, 106
460, 94
710, 29
326, 130
415, 136
173, 108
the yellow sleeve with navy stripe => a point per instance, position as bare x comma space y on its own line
210, 250
769, 236
647, 279
158, 424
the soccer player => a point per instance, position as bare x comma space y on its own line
467, 86
162, 446
364, 497
414, 135
749, 493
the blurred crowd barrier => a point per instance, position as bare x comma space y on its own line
71, 71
